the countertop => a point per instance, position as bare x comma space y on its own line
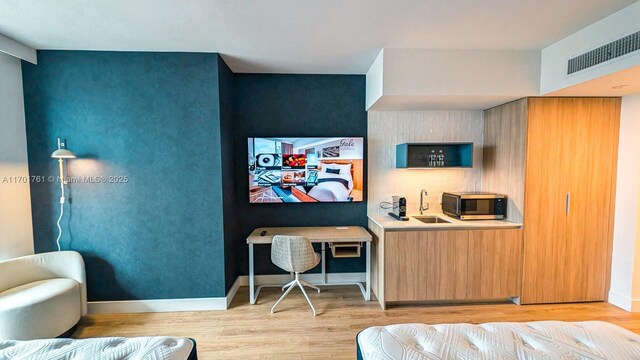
389, 223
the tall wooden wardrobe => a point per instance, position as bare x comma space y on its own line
556, 160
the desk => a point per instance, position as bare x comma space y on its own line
320, 234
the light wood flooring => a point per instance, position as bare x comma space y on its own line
250, 332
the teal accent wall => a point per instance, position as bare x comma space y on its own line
156, 119
232, 258
176, 126
296, 106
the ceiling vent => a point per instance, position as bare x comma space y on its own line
612, 50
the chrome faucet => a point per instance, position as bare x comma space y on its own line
423, 194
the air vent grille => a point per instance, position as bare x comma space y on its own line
612, 50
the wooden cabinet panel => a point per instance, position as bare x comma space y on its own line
548, 135
426, 265
570, 177
503, 157
494, 265
570, 152
592, 175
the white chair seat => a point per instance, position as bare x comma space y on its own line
26, 308
41, 296
35, 292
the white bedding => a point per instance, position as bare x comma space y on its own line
114, 348
332, 190
552, 340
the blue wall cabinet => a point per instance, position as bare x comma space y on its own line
434, 155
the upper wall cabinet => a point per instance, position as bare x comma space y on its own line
434, 155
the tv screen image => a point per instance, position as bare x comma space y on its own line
305, 169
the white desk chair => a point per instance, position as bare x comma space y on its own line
294, 254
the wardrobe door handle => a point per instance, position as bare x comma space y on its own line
568, 203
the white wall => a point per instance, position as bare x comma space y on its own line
625, 269
16, 233
17, 49
386, 129
554, 58
375, 80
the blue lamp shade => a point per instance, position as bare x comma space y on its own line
63, 154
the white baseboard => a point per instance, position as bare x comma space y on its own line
281, 279
623, 302
215, 303
164, 305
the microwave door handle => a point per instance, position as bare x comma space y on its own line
568, 203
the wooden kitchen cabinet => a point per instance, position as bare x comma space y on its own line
426, 265
493, 267
442, 265
592, 199
561, 154
569, 213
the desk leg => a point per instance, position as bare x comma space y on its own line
252, 298
368, 275
324, 266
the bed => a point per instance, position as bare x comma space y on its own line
335, 183
109, 348
557, 340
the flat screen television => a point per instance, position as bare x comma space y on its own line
305, 169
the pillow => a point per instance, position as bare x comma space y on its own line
345, 169
333, 171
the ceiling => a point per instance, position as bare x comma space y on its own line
621, 83
297, 36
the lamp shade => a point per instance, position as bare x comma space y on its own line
63, 154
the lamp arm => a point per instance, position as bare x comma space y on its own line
61, 179
62, 201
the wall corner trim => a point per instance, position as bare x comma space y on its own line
18, 49
623, 302
233, 291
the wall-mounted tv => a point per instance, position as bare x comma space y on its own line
305, 169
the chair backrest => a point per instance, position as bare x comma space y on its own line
44, 266
293, 253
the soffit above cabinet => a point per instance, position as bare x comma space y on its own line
427, 79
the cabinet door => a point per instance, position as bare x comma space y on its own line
568, 206
494, 267
590, 196
545, 224
426, 265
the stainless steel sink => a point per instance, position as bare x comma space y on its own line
431, 219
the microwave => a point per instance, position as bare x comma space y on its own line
474, 205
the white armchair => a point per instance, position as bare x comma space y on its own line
42, 295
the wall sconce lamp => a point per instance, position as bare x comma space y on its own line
61, 154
